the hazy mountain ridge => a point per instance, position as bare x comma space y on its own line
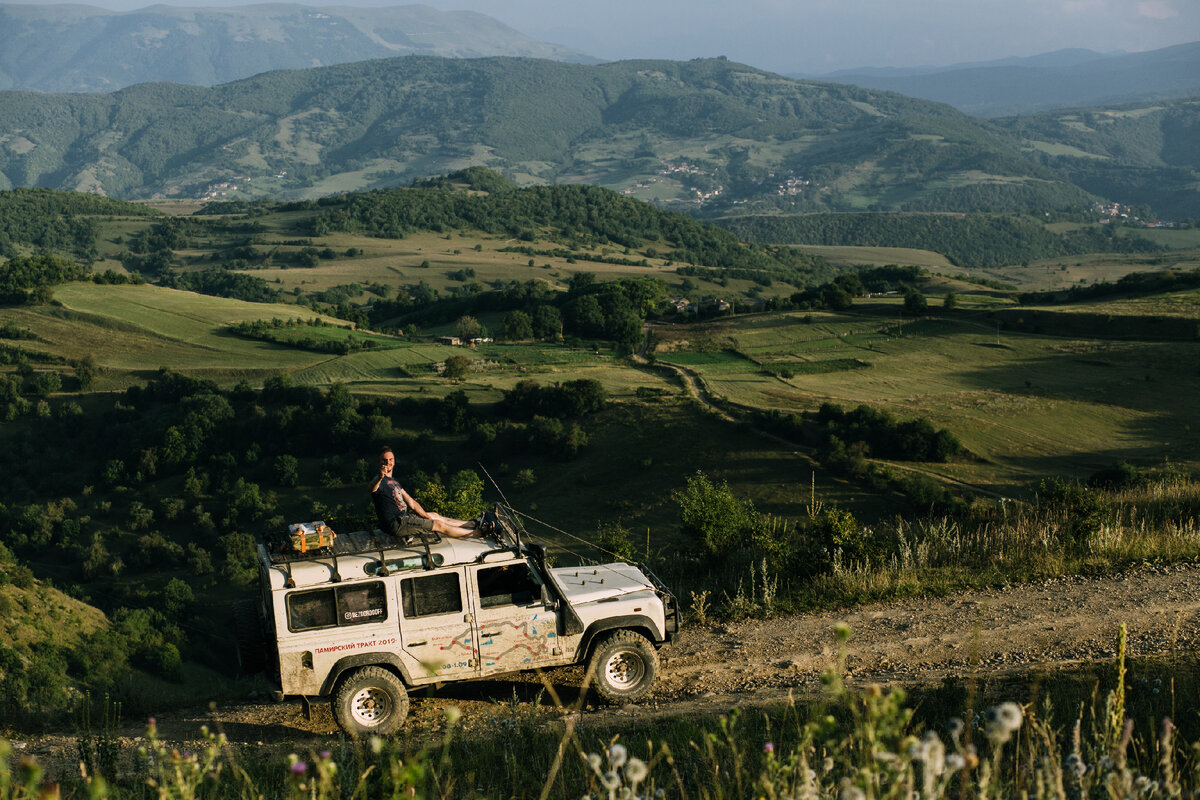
711, 132
75, 48
1048, 81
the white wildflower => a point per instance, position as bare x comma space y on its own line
617, 755
933, 753
852, 792
827, 765
955, 762
594, 762
610, 780
1075, 766
955, 728
376, 745
636, 770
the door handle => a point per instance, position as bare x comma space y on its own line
417, 644
497, 633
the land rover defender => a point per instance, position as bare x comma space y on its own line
365, 617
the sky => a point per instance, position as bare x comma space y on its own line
817, 36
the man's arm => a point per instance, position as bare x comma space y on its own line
413, 505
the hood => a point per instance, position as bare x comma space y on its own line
591, 584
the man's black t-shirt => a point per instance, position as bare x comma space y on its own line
389, 503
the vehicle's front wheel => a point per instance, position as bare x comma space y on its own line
371, 700
623, 667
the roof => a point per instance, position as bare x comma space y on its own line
356, 555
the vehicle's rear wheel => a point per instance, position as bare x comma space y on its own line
371, 700
623, 667
251, 637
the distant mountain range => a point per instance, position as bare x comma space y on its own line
76, 48
711, 137
1065, 78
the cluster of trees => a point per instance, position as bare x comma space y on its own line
55, 221
26, 279
839, 294
287, 333
569, 400
980, 240
221, 283
1135, 284
885, 436
581, 215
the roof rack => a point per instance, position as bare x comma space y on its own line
502, 525
280, 550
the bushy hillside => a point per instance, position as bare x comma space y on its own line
60, 48
1139, 154
707, 134
56, 221
974, 240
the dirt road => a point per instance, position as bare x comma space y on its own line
1052, 624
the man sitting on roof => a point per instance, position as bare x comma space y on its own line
399, 514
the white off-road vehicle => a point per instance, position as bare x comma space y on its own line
366, 619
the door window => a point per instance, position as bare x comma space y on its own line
431, 594
511, 584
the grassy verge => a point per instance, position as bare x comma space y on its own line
830, 560
1087, 733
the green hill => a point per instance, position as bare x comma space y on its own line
704, 135
1148, 153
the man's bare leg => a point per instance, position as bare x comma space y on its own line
442, 525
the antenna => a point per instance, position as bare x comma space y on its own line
493, 480
517, 526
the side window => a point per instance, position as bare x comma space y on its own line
342, 605
308, 610
431, 594
511, 584
365, 602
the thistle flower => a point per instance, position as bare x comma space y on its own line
610, 780
768, 747
1002, 721
955, 727
299, 768
1074, 765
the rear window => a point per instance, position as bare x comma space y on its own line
337, 606
431, 594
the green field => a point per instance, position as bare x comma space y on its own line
1024, 405
878, 256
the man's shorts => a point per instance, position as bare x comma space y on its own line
409, 524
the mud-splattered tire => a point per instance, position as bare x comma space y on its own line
370, 701
251, 637
623, 667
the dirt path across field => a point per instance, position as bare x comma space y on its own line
1051, 624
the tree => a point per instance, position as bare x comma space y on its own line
914, 301
547, 323
717, 519
457, 368
950, 301
468, 328
517, 325
287, 470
